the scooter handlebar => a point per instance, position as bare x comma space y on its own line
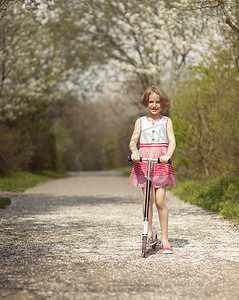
151, 159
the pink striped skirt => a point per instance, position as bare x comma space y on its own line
161, 174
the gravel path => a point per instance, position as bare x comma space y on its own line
80, 238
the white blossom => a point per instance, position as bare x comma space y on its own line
168, 33
32, 68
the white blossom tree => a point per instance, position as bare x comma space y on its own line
61, 44
226, 13
36, 7
152, 40
30, 65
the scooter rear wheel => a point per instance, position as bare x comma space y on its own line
156, 238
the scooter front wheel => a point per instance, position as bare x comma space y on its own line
144, 246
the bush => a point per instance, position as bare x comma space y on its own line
220, 194
15, 153
4, 202
205, 117
230, 205
26, 147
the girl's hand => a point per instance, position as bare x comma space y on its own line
165, 158
135, 156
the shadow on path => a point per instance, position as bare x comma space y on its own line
28, 204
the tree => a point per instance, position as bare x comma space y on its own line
30, 77
206, 119
33, 6
30, 66
226, 12
151, 40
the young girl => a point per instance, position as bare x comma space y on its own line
156, 141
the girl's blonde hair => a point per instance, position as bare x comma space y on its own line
165, 102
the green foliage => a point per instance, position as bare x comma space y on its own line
220, 194
4, 202
26, 146
19, 182
206, 119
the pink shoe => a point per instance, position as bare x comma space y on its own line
167, 250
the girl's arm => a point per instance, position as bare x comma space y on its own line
171, 141
134, 140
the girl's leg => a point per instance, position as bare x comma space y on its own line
150, 217
163, 214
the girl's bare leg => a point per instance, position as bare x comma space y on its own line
163, 214
150, 217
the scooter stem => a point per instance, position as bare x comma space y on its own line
147, 196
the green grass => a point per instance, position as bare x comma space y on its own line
220, 194
19, 182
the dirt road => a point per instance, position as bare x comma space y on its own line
80, 238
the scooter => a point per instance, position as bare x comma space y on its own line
146, 208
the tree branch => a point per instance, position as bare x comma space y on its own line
228, 19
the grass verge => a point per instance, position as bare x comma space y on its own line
220, 194
19, 182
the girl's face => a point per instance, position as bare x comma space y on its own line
154, 104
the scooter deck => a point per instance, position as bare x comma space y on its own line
153, 244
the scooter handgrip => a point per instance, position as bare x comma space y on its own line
129, 159
169, 161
